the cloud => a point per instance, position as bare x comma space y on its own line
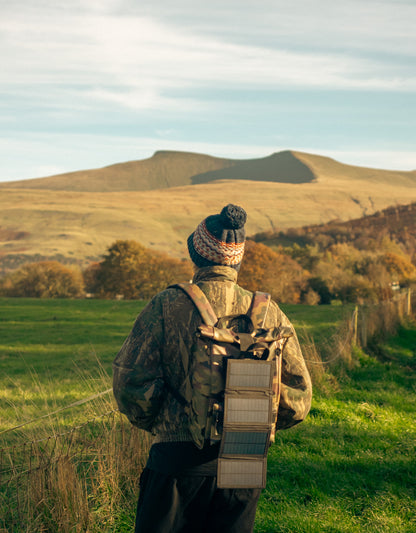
77, 70
371, 26
142, 62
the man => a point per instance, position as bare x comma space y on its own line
178, 492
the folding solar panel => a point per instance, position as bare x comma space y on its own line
249, 373
248, 418
241, 473
244, 442
240, 409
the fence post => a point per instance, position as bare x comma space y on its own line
355, 325
409, 302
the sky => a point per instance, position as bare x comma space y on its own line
88, 83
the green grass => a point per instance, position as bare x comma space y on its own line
55, 352
320, 322
350, 467
48, 348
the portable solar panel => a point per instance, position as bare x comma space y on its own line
248, 416
250, 374
242, 473
240, 409
244, 442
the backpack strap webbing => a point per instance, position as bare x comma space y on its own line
259, 307
201, 302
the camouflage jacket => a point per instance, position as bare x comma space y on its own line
155, 357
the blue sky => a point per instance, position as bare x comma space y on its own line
88, 83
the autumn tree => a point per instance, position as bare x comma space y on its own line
90, 275
307, 256
264, 269
399, 266
45, 279
135, 272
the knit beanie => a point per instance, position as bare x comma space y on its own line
219, 239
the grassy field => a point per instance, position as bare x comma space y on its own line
350, 467
55, 352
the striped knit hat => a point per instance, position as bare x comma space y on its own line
219, 239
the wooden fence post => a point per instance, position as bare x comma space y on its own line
409, 302
355, 325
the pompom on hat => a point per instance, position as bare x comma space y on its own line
219, 239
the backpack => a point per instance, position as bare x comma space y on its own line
233, 387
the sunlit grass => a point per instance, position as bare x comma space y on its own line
55, 352
47, 347
349, 467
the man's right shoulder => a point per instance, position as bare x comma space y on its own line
174, 303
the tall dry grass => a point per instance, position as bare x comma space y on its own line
80, 480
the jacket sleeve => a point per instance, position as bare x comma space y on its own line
296, 385
138, 383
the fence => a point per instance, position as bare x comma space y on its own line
67, 481
370, 320
365, 323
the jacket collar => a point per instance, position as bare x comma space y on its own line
215, 273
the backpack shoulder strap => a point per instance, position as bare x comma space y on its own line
259, 307
200, 301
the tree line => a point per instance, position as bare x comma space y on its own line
311, 274
360, 260
128, 270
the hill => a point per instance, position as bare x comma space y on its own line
158, 201
162, 170
398, 224
166, 169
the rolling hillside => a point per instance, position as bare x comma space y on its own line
158, 201
167, 169
162, 170
395, 223
174, 169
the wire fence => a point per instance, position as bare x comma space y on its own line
365, 323
384, 317
60, 483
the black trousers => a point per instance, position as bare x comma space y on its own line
192, 504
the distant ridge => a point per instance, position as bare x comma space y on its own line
327, 168
168, 169
158, 201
